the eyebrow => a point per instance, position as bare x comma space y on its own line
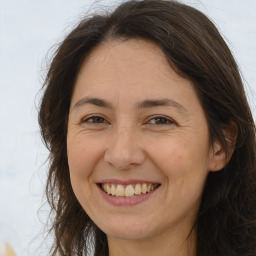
93, 101
149, 103
161, 102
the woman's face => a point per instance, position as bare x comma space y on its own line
136, 126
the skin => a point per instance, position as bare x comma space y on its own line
129, 142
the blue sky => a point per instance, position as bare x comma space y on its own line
28, 30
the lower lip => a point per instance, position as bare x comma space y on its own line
127, 201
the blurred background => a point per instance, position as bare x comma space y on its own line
29, 30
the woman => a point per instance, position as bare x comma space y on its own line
151, 139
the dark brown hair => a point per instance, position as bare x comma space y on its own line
226, 222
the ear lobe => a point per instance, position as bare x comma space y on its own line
217, 157
220, 156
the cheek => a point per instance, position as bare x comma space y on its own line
81, 161
170, 156
181, 160
82, 156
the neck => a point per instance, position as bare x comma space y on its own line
166, 244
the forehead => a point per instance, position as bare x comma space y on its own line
129, 72
134, 61
130, 50
134, 56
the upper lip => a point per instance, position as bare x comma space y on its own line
127, 182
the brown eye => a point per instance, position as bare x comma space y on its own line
94, 120
160, 120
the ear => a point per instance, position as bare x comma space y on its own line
219, 156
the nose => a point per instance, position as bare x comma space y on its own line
124, 150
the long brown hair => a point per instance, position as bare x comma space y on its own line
226, 222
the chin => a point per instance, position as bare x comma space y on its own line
128, 232
127, 235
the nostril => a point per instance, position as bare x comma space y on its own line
124, 153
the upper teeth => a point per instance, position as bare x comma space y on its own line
128, 190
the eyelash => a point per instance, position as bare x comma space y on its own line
160, 118
167, 120
86, 120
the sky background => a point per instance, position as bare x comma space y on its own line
29, 30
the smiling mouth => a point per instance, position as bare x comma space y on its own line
128, 191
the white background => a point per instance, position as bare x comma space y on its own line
28, 29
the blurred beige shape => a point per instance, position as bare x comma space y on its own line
9, 251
